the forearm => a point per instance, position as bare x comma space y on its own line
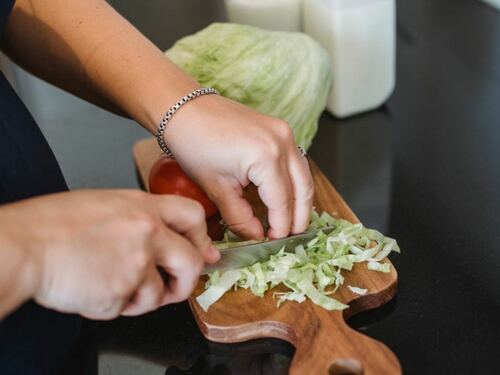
16, 272
87, 48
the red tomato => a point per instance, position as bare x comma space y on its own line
214, 228
167, 177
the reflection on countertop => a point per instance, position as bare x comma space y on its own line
168, 342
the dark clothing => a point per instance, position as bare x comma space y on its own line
33, 340
27, 165
5, 9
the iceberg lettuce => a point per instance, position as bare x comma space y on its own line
282, 74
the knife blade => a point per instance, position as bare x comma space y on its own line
242, 256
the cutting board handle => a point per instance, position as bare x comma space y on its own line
325, 344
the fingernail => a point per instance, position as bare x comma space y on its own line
215, 251
257, 234
272, 235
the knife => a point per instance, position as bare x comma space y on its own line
242, 256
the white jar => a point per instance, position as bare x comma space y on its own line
281, 15
493, 3
360, 36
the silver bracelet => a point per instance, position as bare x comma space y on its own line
168, 116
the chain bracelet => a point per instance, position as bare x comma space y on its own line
168, 116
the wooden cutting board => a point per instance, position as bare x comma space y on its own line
324, 343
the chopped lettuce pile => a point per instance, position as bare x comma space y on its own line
282, 74
313, 270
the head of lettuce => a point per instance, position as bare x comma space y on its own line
282, 74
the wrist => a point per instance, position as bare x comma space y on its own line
19, 268
168, 116
154, 107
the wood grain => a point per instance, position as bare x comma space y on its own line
324, 343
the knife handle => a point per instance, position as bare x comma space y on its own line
325, 344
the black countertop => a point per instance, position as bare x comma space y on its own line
424, 169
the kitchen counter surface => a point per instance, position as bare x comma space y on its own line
424, 169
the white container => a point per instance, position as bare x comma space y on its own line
493, 3
360, 36
281, 15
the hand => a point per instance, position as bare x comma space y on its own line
224, 146
96, 253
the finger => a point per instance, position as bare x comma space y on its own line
303, 190
187, 217
106, 314
275, 190
183, 265
148, 296
237, 212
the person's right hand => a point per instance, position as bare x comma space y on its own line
96, 253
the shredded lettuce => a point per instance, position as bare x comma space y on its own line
376, 266
313, 271
217, 289
357, 290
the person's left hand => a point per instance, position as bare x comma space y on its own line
224, 146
